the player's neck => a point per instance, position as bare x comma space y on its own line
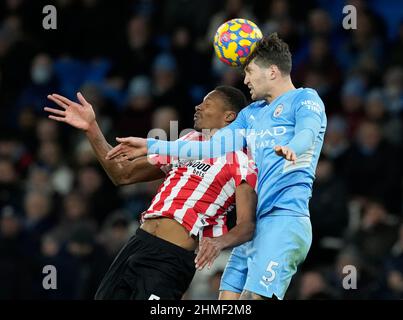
284, 85
210, 134
207, 133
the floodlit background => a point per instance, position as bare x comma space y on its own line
144, 63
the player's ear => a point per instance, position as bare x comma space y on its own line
230, 116
273, 72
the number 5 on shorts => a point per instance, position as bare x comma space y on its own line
269, 268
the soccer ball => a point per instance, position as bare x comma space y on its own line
235, 40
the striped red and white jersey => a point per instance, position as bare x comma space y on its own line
199, 193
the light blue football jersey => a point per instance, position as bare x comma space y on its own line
261, 126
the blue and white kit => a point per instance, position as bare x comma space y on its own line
283, 235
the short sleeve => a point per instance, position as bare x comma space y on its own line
242, 168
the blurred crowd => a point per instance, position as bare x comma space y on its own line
144, 63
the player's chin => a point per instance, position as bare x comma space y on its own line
196, 126
253, 95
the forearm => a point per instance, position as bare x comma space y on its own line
302, 141
246, 199
101, 148
307, 127
239, 234
179, 149
222, 142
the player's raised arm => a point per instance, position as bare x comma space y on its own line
82, 116
230, 138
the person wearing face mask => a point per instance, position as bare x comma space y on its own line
42, 81
41, 70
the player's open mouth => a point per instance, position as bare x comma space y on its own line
195, 117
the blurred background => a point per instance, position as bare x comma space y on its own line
143, 63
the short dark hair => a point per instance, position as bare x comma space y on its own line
271, 50
234, 98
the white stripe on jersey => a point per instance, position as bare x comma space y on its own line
217, 229
227, 191
243, 161
174, 192
158, 196
198, 226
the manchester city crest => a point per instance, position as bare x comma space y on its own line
278, 110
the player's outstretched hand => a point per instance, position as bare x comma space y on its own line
286, 153
128, 149
80, 115
209, 250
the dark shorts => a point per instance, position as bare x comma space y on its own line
148, 267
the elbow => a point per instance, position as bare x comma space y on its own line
116, 182
122, 180
125, 179
250, 230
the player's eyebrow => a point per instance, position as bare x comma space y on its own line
207, 100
